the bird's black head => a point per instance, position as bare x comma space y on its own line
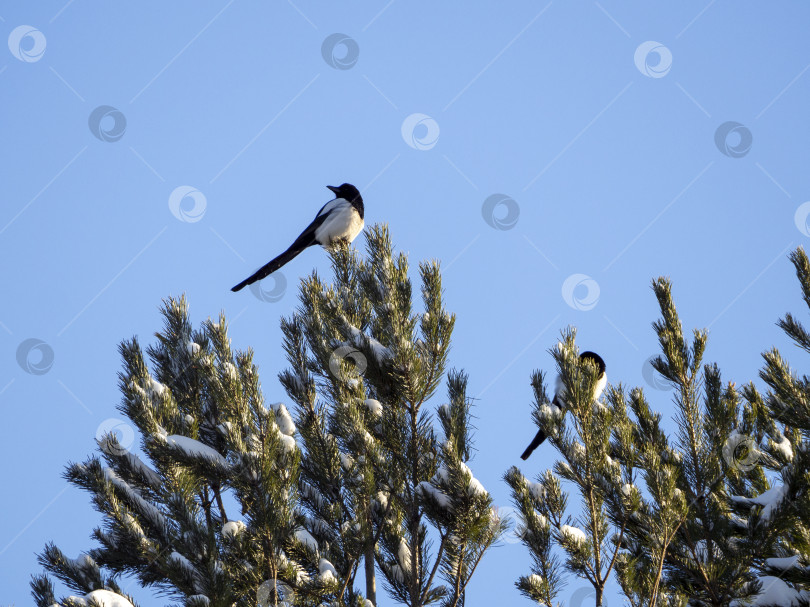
597, 360
347, 192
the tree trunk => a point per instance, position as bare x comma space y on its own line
371, 580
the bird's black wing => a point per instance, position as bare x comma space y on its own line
304, 240
538, 439
536, 442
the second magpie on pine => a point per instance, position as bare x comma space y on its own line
558, 402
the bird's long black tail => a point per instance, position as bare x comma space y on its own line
536, 442
271, 266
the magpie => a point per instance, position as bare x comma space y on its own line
339, 219
558, 402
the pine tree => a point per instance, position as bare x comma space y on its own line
363, 365
689, 519
359, 475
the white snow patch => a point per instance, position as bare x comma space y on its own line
305, 537
574, 533
396, 572
784, 446
328, 573
288, 443
381, 499
374, 406
535, 580
185, 564
232, 528
783, 563
346, 461
192, 348
438, 495
135, 496
230, 370
536, 489
155, 387
283, 419
548, 410
774, 591
195, 448
404, 555
770, 500
313, 494
105, 598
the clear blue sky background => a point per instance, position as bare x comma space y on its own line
616, 174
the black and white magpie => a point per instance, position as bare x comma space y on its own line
339, 219
558, 402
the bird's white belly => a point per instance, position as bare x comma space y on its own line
342, 224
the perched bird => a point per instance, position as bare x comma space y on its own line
558, 402
339, 219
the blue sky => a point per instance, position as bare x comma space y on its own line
596, 122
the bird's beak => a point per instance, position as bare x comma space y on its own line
333, 188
